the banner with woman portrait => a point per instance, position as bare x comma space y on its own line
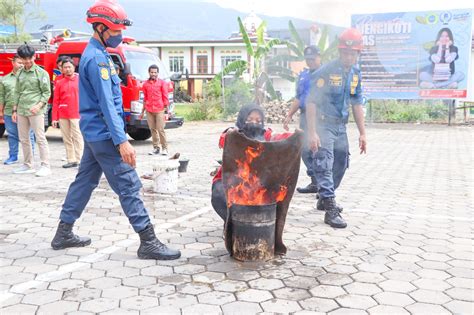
412, 55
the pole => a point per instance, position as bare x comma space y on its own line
223, 91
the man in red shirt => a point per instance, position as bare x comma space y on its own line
66, 113
155, 100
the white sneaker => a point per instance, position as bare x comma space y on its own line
164, 152
43, 171
24, 169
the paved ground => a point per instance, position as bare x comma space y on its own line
407, 249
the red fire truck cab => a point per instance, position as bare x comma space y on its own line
133, 62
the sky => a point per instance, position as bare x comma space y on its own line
338, 12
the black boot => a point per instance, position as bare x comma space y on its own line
312, 188
319, 205
332, 217
64, 238
152, 248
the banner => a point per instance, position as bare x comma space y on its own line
415, 55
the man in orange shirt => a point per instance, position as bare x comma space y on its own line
66, 113
155, 100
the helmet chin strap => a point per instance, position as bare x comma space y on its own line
101, 34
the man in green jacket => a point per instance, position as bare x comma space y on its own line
32, 93
7, 100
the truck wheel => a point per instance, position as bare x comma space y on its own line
2, 130
140, 134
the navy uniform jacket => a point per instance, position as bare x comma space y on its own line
100, 97
333, 90
303, 87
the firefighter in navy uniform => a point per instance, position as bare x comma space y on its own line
303, 86
106, 148
335, 87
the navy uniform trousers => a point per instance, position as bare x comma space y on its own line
103, 157
332, 158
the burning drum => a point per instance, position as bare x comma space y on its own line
253, 231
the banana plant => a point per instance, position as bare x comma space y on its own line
257, 52
296, 53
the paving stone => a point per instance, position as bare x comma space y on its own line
139, 281
82, 294
230, 286
88, 274
253, 295
327, 291
59, 307
341, 269
461, 293
334, 279
433, 274
65, 285
42, 297
194, 288
168, 310
308, 271
119, 292
369, 277
397, 275
388, 310
429, 296
20, 309
319, 305
240, 307
99, 305
423, 308
347, 311
244, 275
356, 301
216, 297
178, 300
201, 309
397, 286
175, 279
157, 271
121, 311
158, 290
139, 302
280, 306
276, 273
369, 267
189, 269
362, 288
266, 284
103, 283
122, 272
459, 307
292, 294
209, 277
300, 282
461, 282
393, 298
431, 284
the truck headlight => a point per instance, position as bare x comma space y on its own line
136, 107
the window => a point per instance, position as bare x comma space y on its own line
225, 60
176, 63
201, 64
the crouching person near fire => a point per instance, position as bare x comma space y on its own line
250, 122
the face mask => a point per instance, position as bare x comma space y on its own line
114, 41
253, 131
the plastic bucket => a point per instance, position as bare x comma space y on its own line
183, 165
165, 176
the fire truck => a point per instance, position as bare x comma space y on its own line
133, 62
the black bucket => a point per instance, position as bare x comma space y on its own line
253, 232
183, 165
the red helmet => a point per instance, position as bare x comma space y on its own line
109, 13
351, 39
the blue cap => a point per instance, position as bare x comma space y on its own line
311, 52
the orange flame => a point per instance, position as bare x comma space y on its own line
250, 191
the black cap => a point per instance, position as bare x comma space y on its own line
311, 52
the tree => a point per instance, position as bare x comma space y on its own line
15, 13
256, 67
296, 53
